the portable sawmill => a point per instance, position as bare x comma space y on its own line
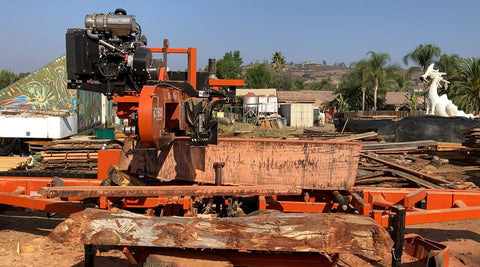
173, 163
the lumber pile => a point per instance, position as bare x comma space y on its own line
472, 138
72, 155
382, 171
270, 123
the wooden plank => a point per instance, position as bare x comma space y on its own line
355, 136
265, 231
10, 163
416, 180
376, 180
431, 178
371, 175
296, 163
399, 145
171, 190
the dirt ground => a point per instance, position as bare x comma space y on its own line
462, 237
24, 242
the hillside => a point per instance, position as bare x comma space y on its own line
312, 72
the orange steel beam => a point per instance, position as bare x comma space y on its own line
441, 205
106, 158
302, 207
169, 50
43, 204
414, 197
420, 216
31, 185
225, 82
192, 60
192, 66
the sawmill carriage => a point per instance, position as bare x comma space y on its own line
173, 163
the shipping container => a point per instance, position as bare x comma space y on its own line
297, 114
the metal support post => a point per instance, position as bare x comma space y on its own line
396, 226
90, 251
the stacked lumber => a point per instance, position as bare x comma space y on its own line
270, 123
71, 154
472, 138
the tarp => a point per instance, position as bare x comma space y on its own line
46, 90
440, 129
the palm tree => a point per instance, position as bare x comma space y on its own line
449, 64
278, 62
378, 71
423, 55
362, 67
467, 88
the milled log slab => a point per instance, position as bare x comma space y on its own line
266, 231
169, 190
303, 164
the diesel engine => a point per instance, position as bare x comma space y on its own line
109, 56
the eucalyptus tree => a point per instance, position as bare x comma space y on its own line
323, 85
6, 78
467, 87
230, 66
259, 77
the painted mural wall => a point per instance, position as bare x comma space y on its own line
46, 90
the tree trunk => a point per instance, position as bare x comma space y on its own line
375, 95
363, 98
266, 231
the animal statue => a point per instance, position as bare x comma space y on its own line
439, 105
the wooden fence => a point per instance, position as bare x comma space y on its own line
383, 114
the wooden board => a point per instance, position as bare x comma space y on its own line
10, 163
294, 163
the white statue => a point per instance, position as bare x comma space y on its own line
440, 105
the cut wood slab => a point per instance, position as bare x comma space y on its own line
265, 231
302, 164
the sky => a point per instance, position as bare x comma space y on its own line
32, 32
